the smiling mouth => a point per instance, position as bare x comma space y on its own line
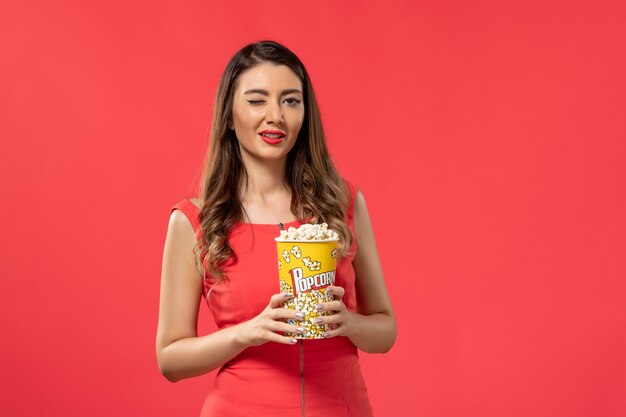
272, 135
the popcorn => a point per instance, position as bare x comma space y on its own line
307, 305
309, 269
308, 232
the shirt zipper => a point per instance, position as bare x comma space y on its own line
302, 377
301, 347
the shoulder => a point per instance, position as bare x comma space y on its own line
360, 207
180, 239
196, 201
186, 211
359, 199
179, 223
179, 258
188, 204
362, 221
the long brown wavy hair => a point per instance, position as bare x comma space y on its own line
318, 192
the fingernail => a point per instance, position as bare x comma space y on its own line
326, 334
319, 320
286, 295
300, 330
329, 290
293, 341
300, 315
319, 307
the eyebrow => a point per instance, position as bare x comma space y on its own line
264, 92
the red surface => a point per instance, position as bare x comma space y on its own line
498, 199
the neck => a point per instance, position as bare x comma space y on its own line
266, 179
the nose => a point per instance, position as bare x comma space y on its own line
274, 113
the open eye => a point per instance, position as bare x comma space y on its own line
294, 101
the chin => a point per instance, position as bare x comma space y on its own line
270, 156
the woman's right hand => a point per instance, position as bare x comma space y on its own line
262, 328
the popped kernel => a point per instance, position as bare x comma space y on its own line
309, 232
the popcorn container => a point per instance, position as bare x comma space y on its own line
306, 268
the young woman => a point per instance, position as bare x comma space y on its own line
268, 168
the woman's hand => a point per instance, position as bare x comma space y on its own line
262, 328
341, 322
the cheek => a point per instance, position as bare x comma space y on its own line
300, 119
246, 118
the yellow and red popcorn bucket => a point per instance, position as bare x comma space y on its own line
305, 269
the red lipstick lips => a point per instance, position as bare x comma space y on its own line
277, 138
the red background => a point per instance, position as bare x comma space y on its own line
487, 138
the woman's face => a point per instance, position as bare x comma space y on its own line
267, 101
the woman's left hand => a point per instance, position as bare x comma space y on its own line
341, 322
